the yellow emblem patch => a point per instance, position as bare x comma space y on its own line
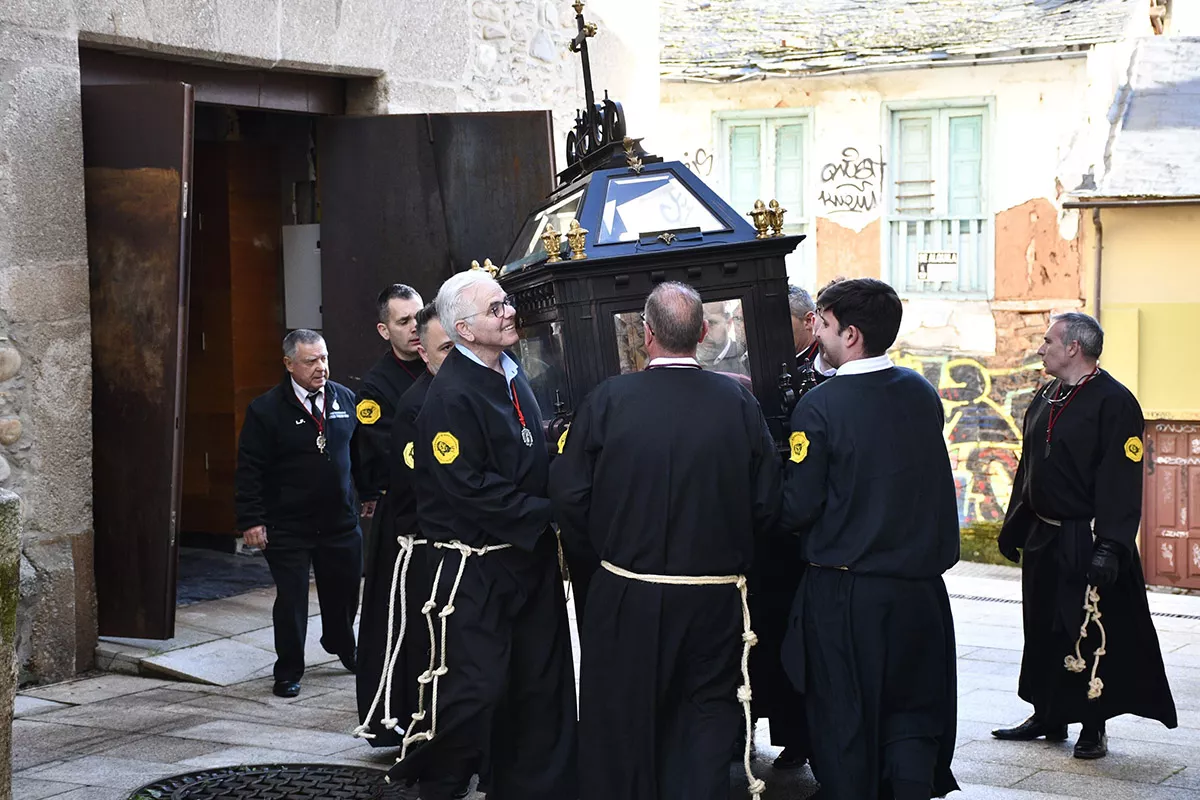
367, 412
798, 443
562, 440
1134, 449
408, 456
445, 447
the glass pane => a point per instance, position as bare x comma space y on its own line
914, 177
648, 203
560, 215
723, 349
540, 353
789, 169
745, 173
966, 166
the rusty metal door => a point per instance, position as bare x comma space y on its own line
1171, 516
137, 143
413, 198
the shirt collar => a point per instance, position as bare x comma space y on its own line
673, 362
302, 393
862, 366
506, 362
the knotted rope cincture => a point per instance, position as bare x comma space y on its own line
749, 639
436, 671
391, 652
1077, 663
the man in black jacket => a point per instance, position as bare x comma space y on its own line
295, 499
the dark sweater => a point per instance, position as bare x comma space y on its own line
283, 481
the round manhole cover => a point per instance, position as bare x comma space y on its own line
275, 782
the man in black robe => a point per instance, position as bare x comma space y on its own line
868, 486
775, 578
1074, 514
397, 584
375, 403
500, 683
667, 472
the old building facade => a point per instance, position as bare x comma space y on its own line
925, 144
372, 58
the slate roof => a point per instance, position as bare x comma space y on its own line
727, 40
1154, 144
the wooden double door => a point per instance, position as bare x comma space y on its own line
1171, 506
411, 198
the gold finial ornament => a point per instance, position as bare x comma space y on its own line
552, 241
633, 161
775, 218
474, 264
761, 216
577, 239
578, 6
488, 267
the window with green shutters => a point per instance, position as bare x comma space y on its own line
763, 158
939, 225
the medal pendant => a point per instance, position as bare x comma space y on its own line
321, 442
527, 437
1047, 450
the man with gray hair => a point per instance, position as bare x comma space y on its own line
1074, 516
666, 478
500, 684
295, 499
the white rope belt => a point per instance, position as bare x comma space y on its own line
749, 639
1076, 662
395, 642
432, 675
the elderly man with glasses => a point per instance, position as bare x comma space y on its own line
501, 683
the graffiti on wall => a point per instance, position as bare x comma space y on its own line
984, 410
700, 163
854, 183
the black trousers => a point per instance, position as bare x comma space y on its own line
336, 561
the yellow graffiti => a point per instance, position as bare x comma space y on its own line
984, 407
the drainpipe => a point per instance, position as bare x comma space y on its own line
1099, 261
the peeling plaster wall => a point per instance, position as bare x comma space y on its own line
979, 353
411, 56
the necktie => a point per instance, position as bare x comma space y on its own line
316, 410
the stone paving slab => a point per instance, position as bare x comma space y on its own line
26, 706
33, 789
257, 735
221, 662
105, 772
93, 689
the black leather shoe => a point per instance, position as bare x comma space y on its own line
286, 688
1030, 729
1092, 743
789, 759
463, 791
350, 661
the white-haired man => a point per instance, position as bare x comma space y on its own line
502, 686
1075, 510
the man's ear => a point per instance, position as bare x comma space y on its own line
383, 329
703, 331
464, 330
421, 352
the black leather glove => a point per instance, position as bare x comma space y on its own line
1106, 563
1008, 549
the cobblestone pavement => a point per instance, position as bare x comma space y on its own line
99, 737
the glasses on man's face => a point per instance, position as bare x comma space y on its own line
496, 309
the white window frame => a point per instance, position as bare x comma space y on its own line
805, 255
890, 133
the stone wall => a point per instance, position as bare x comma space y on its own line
10, 553
411, 56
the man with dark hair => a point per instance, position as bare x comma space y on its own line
500, 685
1075, 510
295, 500
390, 377
391, 657
868, 487
666, 478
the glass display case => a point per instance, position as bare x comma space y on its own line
540, 354
725, 349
